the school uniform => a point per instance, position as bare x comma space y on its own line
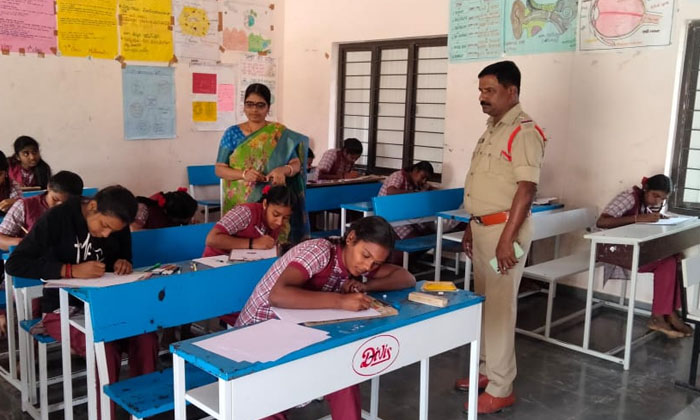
402, 180
61, 237
23, 177
334, 163
150, 215
667, 293
322, 265
10, 189
243, 221
23, 214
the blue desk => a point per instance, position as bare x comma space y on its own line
365, 207
350, 356
332, 197
461, 215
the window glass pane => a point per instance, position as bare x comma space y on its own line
389, 150
395, 82
361, 69
394, 67
432, 52
361, 135
691, 196
395, 54
392, 96
430, 110
430, 124
430, 96
390, 123
362, 160
429, 139
692, 179
432, 66
392, 110
357, 82
357, 109
357, 95
356, 122
432, 81
697, 101
394, 137
431, 154
696, 120
358, 56
695, 139
389, 163
694, 159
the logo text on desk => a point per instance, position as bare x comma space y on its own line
375, 355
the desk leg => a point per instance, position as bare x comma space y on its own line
438, 250
343, 220
424, 388
589, 298
467, 271
90, 368
474, 349
630, 308
65, 356
179, 387
103, 378
374, 399
11, 328
225, 396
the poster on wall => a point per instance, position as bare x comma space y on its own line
27, 27
213, 97
197, 30
476, 30
87, 28
248, 26
149, 102
609, 24
257, 69
539, 27
145, 31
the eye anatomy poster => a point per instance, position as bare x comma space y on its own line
149, 102
197, 29
610, 24
248, 26
213, 97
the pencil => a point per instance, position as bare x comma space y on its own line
24, 229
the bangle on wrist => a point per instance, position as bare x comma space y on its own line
69, 271
243, 175
291, 170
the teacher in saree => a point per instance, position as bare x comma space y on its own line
257, 153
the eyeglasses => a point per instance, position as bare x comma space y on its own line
258, 105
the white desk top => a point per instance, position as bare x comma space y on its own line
639, 232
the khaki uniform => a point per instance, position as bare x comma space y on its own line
489, 188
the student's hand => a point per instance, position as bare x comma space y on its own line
353, 286
263, 242
122, 267
352, 174
355, 302
7, 203
252, 175
468, 241
649, 217
278, 176
505, 254
88, 270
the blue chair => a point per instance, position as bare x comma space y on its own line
331, 197
200, 176
87, 192
167, 245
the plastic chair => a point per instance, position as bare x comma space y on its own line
201, 176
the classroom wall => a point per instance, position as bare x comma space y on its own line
607, 114
73, 107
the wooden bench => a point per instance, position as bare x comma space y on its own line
161, 302
401, 209
548, 225
332, 197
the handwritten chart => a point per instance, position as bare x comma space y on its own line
197, 33
248, 26
27, 26
257, 69
144, 29
87, 28
476, 30
149, 102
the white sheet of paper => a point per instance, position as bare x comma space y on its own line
672, 220
543, 200
299, 316
215, 261
263, 342
109, 279
252, 254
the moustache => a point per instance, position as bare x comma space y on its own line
482, 103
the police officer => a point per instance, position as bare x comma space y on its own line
498, 192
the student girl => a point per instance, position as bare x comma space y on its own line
9, 190
175, 208
26, 166
321, 273
643, 205
84, 238
25, 212
252, 225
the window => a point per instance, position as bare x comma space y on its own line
392, 98
686, 155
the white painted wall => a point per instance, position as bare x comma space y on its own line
607, 114
73, 107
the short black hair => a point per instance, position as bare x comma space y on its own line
423, 166
311, 154
66, 182
374, 229
352, 146
506, 72
4, 164
658, 182
179, 205
279, 195
258, 89
117, 201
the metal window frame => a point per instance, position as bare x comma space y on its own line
376, 47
